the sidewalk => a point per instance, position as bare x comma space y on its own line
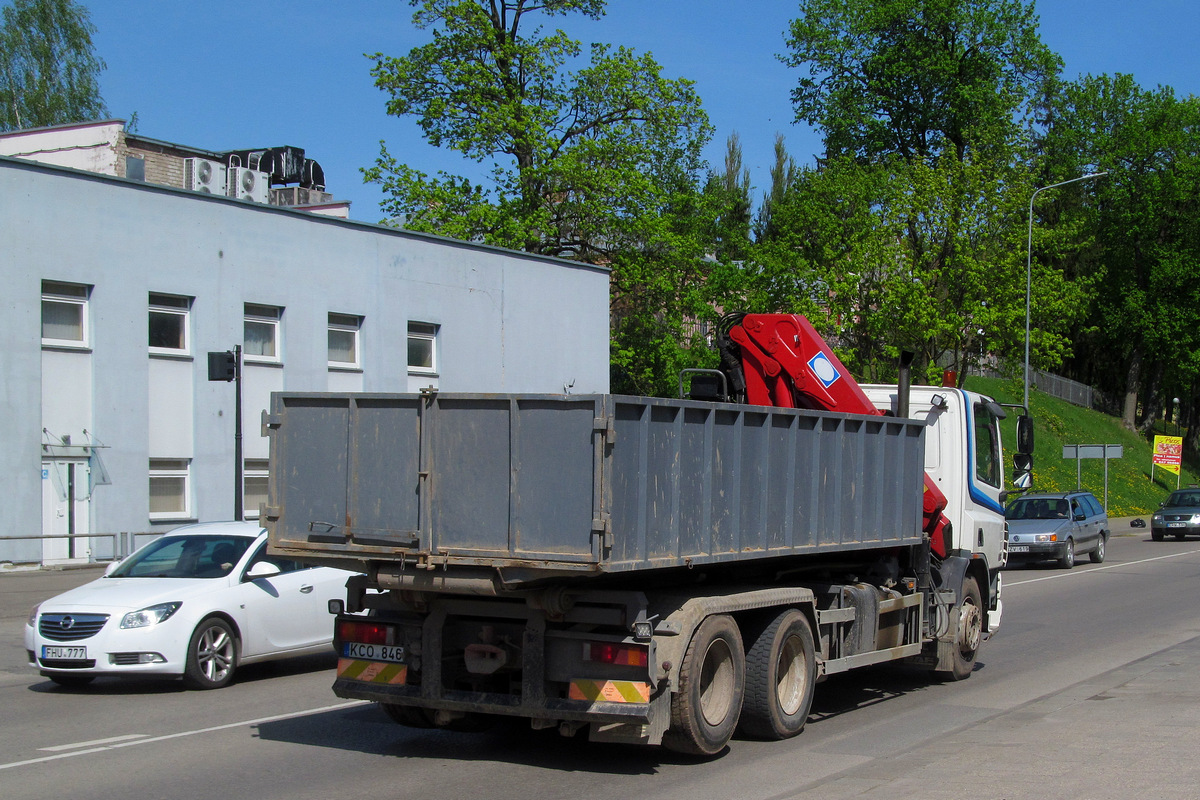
1123, 734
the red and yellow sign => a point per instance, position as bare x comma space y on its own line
371, 671
610, 691
1168, 452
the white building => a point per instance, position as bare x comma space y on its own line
116, 289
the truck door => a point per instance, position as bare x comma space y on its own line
985, 480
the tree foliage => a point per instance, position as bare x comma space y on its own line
592, 157
49, 72
1146, 318
916, 79
576, 157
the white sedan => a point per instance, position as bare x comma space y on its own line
197, 602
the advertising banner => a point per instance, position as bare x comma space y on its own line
1168, 453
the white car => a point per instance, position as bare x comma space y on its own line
197, 602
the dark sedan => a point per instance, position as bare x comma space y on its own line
1178, 516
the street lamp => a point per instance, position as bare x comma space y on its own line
1029, 266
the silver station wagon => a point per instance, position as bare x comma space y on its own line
1056, 526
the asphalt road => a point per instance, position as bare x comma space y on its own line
1028, 723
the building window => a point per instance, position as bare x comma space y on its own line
169, 491
422, 348
169, 324
261, 337
65, 314
343, 341
254, 486
135, 168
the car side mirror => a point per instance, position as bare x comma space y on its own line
262, 569
1080, 517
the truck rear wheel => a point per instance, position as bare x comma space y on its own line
968, 633
712, 683
781, 676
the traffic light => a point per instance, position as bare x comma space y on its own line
222, 366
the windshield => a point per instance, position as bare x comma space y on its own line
1037, 508
185, 557
1184, 499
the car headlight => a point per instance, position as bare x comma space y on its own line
151, 615
1157, 518
1195, 517
33, 617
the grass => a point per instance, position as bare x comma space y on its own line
1131, 492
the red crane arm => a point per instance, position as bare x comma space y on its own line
787, 364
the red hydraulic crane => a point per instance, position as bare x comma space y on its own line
785, 363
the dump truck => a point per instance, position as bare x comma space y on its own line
648, 570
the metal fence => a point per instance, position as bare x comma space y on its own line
119, 545
1079, 394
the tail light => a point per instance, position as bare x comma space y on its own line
613, 653
366, 632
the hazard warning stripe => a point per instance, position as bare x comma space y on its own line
610, 691
372, 671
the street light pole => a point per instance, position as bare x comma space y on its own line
1029, 266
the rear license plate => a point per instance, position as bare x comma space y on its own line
1018, 548
373, 652
1176, 524
64, 653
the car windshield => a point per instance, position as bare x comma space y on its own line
185, 557
1184, 499
1038, 508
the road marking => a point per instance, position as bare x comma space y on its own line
1069, 573
124, 741
110, 740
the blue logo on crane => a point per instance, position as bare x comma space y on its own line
824, 369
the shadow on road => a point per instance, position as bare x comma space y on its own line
367, 729
250, 673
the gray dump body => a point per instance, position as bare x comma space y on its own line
543, 484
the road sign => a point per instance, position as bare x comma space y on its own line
1082, 451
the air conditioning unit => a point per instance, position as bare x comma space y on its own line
203, 175
248, 184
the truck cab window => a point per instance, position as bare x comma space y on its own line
987, 447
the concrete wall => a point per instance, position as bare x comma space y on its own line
509, 322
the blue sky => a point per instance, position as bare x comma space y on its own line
224, 75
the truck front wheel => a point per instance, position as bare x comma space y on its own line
781, 675
712, 682
969, 631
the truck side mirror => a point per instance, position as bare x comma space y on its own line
1025, 434
1023, 470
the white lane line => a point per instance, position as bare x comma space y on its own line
93, 743
148, 740
1072, 572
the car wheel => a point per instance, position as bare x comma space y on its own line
1067, 559
1180, 535
968, 634
1098, 553
212, 655
1156, 535
71, 681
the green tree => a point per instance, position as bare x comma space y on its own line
576, 158
1146, 316
601, 163
924, 107
915, 79
49, 73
